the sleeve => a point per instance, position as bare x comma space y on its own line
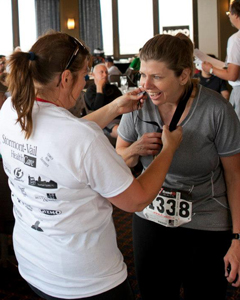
107, 172
94, 100
126, 128
227, 131
223, 86
233, 54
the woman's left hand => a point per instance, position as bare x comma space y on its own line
130, 101
232, 258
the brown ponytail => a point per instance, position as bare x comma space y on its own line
35, 71
20, 84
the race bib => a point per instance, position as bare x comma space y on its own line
169, 209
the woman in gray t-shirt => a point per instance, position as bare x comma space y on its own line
185, 235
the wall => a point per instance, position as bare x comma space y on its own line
214, 27
225, 29
69, 9
207, 26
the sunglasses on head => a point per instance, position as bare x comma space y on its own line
79, 46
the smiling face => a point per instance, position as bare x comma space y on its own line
161, 83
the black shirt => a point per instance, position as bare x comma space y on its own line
96, 100
213, 82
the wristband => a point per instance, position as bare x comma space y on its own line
236, 236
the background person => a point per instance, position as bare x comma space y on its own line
213, 82
101, 93
189, 242
232, 73
64, 175
112, 69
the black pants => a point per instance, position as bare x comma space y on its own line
121, 292
168, 258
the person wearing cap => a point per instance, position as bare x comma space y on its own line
112, 69
98, 57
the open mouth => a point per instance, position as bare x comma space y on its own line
154, 96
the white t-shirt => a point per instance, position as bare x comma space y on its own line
113, 70
233, 54
64, 236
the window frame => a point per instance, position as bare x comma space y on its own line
116, 43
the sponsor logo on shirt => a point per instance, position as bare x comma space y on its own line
51, 212
24, 153
18, 173
42, 184
29, 207
36, 226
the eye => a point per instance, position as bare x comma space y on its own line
157, 77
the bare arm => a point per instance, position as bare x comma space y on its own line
229, 74
231, 167
146, 187
124, 104
225, 94
148, 144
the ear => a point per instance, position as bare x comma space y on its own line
184, 77
66, 78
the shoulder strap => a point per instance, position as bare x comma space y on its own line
180, 109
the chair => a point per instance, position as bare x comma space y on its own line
80, 108
132, 74
116, 78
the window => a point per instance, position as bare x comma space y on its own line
135, 24
107, 24
6, 28
176, 16
27, 24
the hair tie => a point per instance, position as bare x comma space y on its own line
31, 56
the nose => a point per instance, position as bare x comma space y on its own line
146, 83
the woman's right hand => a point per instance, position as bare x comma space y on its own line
149, 144
171, 140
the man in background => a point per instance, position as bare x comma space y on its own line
112, 69
100, 93
212, 82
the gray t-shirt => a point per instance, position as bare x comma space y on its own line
210, 130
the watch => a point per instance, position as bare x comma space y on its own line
211, 71
236, 236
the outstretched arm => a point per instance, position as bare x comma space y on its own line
145, 188
230, 74
121, 105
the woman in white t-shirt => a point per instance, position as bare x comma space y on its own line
64, 174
